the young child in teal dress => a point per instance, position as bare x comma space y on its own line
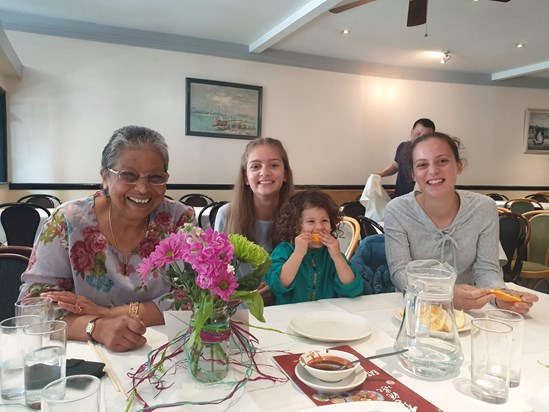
307, 263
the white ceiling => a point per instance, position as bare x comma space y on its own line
481, 35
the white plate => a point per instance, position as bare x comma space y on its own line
344, 385
331, 326
468, 319
370, 406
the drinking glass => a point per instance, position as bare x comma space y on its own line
14, 346
73, 393
490, 359
48, 362
516, 321
40, 306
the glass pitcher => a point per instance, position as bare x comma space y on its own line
428, 329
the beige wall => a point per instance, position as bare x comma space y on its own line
338, 128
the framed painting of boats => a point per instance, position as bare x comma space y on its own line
222, 109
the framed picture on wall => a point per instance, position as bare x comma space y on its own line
221, 109
536, 131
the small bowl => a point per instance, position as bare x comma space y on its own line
328, 357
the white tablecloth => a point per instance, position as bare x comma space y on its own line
379, 309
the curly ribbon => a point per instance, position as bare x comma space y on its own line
154, 372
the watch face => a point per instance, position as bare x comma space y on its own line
90, 327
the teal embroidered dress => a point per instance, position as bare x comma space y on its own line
316, 278
72, 254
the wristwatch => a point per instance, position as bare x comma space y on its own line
90, 327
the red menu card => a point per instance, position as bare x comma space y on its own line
379, 385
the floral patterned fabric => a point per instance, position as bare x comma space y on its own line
72, 254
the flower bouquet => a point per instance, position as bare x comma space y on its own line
201, 265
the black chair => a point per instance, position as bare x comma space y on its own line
514, 230
211, 210
18, 250
42, 199
497, 196
369, 227
352, 208
539, 197
522, 205
20, 222
196, 200
12, 266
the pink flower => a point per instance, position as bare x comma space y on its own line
224, 285
81, 257
95, 241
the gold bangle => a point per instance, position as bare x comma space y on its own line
134, 308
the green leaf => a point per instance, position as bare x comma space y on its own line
251, 281
255, 303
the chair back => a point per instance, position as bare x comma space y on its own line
196, 200
42, 199
20, 222
529, 215
497, 196
540, 197
11, 267
350, 236
514, 231
211, 212
538, 247
369, 227
522, 205
18, 250
352, 208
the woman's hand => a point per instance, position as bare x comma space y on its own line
121, 333
79, 305
523, 307
471, 297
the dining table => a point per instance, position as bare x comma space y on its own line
450, 394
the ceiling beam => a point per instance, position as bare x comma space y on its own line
10, 64
521, 71
291, 23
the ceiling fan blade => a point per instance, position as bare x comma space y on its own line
349, 6
417, 13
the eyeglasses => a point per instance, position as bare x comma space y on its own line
131, 178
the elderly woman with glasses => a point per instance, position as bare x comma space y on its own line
88, 252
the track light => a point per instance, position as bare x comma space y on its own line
446, 57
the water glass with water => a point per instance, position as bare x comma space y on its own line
40, 306
14, 346
516, 321
48, 362
73, 393
490, 360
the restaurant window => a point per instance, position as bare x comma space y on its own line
3, 138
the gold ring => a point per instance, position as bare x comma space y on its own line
78, 306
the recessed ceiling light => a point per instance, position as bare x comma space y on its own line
345, 31
520, 45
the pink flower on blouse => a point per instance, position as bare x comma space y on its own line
148, 244
81, 257
95, 240
163, 220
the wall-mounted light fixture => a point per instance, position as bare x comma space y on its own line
446, 57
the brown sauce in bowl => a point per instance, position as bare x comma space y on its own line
329, 363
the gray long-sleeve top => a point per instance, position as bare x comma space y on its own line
470, 244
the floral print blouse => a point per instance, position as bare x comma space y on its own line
72, 254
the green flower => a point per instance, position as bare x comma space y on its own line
246, 251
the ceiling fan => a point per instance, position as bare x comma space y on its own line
417, 10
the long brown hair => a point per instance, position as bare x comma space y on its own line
241, 215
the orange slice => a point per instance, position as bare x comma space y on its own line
316, 237
506, 297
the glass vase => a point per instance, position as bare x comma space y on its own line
208, 359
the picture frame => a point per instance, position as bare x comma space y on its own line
223, 109
536, 131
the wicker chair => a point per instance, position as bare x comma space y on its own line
351, 236
42, 199
12, 266
196, 200
20, 222
522, 205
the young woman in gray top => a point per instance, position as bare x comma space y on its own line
449, 225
